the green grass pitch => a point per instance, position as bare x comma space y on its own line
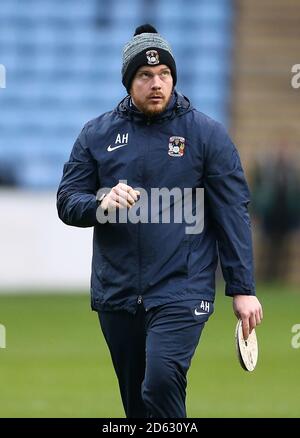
56, 363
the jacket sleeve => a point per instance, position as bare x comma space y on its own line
227, 197
76, 195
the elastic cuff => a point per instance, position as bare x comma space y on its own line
233, 289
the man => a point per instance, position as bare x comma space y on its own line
153, 284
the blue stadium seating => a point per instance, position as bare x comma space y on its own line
63, 62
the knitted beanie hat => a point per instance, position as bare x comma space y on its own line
147, 47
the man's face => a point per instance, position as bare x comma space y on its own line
151, 89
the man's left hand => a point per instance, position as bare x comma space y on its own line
249, 310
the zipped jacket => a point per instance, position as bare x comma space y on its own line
150, 261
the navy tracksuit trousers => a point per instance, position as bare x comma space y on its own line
151, 353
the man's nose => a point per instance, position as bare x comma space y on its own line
156, 82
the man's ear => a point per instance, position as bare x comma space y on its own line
130, 89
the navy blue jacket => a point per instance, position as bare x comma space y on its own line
157, 262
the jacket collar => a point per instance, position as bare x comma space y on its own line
178, 105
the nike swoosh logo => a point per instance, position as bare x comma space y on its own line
116, 147
199, 313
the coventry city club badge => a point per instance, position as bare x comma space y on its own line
152, 57
176, 146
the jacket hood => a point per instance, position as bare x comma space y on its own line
178, 105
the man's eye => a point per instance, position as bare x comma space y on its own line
144, 75
166, 73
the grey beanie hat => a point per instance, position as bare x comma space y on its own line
147, 47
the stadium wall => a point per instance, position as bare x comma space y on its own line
37, 251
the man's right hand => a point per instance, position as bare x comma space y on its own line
120, 196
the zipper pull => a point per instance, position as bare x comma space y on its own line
140, 299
